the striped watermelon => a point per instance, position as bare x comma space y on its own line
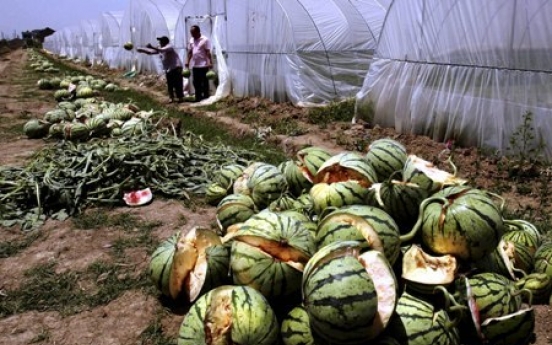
494, 295
296, 181
227, 175
305, 221
296, 329
513, 329
310, 159
283, 203
336, 194
160, 266
543, 259
214, 193
459, 221
346, 166
500, 261
400, 199
427, 176
269, 252
524, 232
230, 315
233, 209
540, 286
386, 156
348, 296
265, 184
97, 127
418, 322
523, 258
362, 223
191, 264
240, 185
218, 267
424, 272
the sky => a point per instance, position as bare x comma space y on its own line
21, 15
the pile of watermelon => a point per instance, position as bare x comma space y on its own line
351, 248
86, 118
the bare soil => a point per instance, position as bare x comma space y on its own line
128, 319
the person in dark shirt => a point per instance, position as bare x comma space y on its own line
172, 65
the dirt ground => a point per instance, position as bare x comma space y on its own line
136, 317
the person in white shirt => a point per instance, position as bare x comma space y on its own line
200, 59
172, 65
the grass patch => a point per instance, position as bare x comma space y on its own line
154, 335
334, 112
97, 218
137, 233
44, 335
11, 248
140, 236
112, 280
46, 290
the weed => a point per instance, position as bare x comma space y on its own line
112, 280
46, 290
11, 248
44, 335
140, 237
98, 218
154, 335
334, 112
525, 148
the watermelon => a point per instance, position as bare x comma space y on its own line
160, 265
418, 322
348, 295
459, 221
138, 198
230, 315
427, 176
386, 156
366, 224
295, 329
191, 264
269, 252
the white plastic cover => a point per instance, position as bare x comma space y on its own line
142, 23
90, 35
466, 70
110, 25
290, 50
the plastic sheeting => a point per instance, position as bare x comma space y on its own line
297, 50
90, 39
466, 70
110, 25
290, 50
142, 23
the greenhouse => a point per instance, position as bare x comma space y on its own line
142, 23
90, 35
466, 70
294, 51
110, 25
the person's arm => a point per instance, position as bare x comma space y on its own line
144, 51
208, 53
188, 57
153, 50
